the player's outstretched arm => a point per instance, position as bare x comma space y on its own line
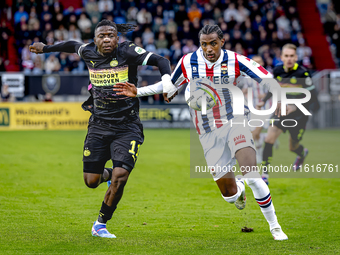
68, 47
128, 89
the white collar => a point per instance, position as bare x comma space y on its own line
209, 64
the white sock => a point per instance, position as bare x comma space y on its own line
262, 196
233, 198
97, 222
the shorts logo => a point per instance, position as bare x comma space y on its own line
87, 152
239, 139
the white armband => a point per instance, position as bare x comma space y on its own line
150, 90
168, 86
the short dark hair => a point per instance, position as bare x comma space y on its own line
209, 29
121, 28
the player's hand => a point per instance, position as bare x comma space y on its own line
37, 47
126, 89
168, 100
260, 105
291, 108
278, 110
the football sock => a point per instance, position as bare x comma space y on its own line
267, 155
262, 196
299, 151
105, 213
233, 198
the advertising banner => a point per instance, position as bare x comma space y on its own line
70, 116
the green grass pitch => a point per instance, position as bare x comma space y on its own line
45, 208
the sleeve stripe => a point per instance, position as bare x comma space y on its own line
146, 59
183, 68
310, 87
249, 72
177, 74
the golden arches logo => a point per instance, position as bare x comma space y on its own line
4, 117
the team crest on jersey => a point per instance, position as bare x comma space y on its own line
114, 63
140, 50
87, 152
224, 68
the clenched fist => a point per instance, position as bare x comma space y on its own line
37, 48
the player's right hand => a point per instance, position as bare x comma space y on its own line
37, 47
260, 105
126, 89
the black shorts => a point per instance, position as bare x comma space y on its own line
288, 122
104, 141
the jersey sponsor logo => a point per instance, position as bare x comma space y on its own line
140, 50
4, 117
239, 139
108, 77
114, 63
194, 69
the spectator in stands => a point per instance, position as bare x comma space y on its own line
194, 12
147, 35
175, 52
189, 47
48, 97
181, 15
83, 22
162, 45
20, 14
74, 33
38, 65
52, 64
144, 17
6, 96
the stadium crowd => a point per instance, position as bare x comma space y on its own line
167, 27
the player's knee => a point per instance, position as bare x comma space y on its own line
91, 181
91, 184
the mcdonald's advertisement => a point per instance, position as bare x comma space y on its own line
70, 116
54, 116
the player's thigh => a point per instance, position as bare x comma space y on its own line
296, 132
217, 152
125, 149
272, 134
96, 149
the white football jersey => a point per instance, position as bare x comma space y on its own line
229, 67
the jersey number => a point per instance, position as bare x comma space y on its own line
133, 150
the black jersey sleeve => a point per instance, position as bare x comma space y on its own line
68, 47
139, 56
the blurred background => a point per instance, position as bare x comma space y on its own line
167, 27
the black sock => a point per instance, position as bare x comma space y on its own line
267, 155
299, 151
105, 213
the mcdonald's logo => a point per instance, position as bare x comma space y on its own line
4, 117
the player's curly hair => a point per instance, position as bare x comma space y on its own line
209, 29
121, 28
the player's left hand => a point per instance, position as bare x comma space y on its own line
126, 89
37, 48
278, 110
291, 108
168, 100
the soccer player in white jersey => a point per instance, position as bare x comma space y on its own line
259, 93
222, 143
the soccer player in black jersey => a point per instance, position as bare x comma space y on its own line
115, 131
290, 74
